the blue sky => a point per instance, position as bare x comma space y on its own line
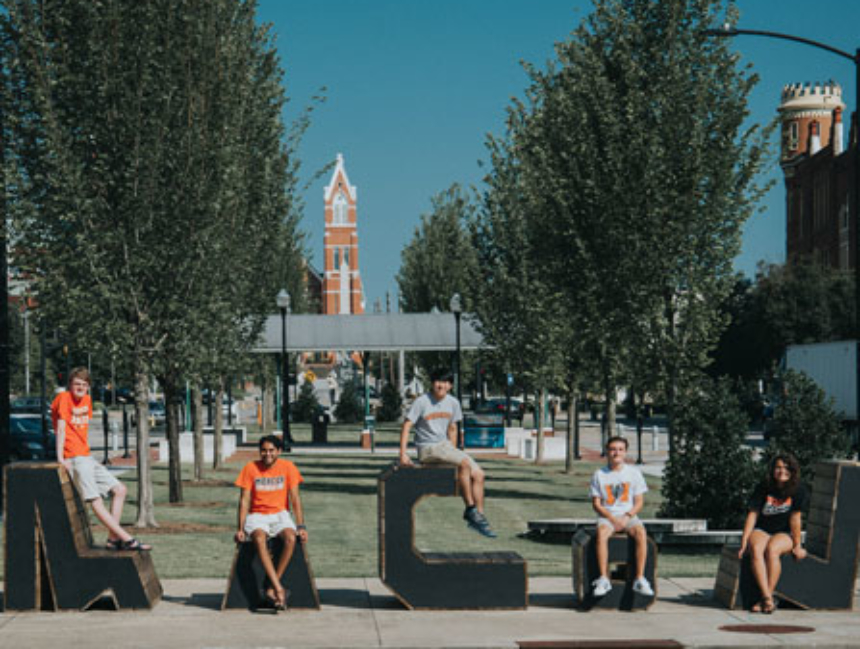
414, 86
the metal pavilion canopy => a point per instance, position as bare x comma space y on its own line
369, 333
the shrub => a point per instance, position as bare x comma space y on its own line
306, 404
390, 409
710, 472
349, 409
805, 424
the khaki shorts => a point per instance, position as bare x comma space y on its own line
271, 524
93, 479
631, 523
445, 453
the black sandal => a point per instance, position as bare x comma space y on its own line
134, 544
113, 544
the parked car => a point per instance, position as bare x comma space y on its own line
498, 404
157, 414
29, 406
26, 440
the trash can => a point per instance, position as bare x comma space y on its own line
319, 428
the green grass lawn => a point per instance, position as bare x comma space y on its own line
339, 496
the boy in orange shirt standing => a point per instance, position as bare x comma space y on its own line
71, 412
269, 487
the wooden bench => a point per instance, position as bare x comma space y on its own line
51, 563
246, 584
622, 572
826, 578
439, 580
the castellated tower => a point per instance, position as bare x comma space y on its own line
342, 289
807, 115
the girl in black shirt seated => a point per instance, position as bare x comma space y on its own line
773, 526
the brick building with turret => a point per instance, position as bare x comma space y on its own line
818, 173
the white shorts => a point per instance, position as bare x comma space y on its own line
93, 479
631, 523
271, 524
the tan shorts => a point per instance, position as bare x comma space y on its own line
631, 523
93, 479
445, 453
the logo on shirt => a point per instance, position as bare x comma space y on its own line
617, 493
269, 484
774, 506
80, 415
437, 415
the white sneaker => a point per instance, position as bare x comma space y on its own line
601, 586
642, 587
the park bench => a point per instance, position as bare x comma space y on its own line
826, 578
439, 580
51, 563
622, 572
247, 580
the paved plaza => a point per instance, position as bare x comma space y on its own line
362, 613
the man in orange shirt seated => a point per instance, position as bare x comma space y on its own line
269, 487
71, 412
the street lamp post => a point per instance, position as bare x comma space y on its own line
727, 31
283, 301
457, 309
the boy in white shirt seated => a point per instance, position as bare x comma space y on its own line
617, 496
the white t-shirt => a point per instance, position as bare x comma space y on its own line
617, 489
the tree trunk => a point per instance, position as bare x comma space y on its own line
174, 403
539, 410
609, 389
197, 418
145, 505
570, 447
218, 430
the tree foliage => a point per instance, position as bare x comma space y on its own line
711, 471
794, 303
805, 424
392, 404
349, 409
153, 181
306, 405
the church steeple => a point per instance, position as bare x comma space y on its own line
342, 289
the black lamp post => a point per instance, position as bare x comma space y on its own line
457, 309
283, 301
727, 31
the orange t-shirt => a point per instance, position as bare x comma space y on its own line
77, 415
269, 487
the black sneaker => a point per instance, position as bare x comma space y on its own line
478, 522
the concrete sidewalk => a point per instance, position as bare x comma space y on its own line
362, 613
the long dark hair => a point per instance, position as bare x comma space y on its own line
793, 467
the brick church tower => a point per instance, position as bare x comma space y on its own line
342, 289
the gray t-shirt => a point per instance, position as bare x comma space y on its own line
431, 418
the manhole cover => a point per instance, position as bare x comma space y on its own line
766, 628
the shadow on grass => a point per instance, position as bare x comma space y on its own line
528, 495
339, 488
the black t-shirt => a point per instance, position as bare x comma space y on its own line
774, 511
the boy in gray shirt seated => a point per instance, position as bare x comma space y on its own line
434, 416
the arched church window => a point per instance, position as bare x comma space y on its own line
340, 207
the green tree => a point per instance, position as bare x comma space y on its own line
794, 303
632, 161
349, 409
152, 184
306, 405
805, 424
392, 404
711, 471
